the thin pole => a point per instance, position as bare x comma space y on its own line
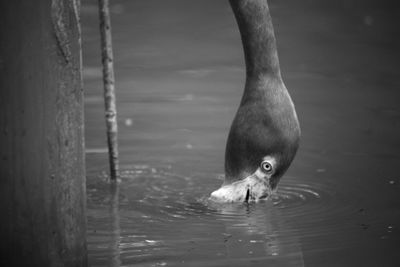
109, 87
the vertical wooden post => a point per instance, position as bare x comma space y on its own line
42, 171
109, 87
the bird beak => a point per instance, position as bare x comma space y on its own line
251, 189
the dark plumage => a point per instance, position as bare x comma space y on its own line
265, 125
265, 128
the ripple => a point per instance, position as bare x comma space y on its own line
159, 214
156, 193
295, 195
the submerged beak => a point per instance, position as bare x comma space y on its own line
252, 188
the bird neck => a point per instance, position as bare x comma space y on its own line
258, 38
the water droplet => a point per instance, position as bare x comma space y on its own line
128, 122
368, 20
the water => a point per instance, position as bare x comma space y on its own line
180, 75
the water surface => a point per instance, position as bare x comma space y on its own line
180, 75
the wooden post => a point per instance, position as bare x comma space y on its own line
109, 87
42, 171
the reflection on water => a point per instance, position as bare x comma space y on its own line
166, 219
179, 69
115, 242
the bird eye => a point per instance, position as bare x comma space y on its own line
266, 166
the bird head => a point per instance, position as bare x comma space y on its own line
260, 149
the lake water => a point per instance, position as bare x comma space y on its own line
180, 75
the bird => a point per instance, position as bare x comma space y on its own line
265, 133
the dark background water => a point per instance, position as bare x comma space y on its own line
180, 75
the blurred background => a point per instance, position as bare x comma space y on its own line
179, 77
